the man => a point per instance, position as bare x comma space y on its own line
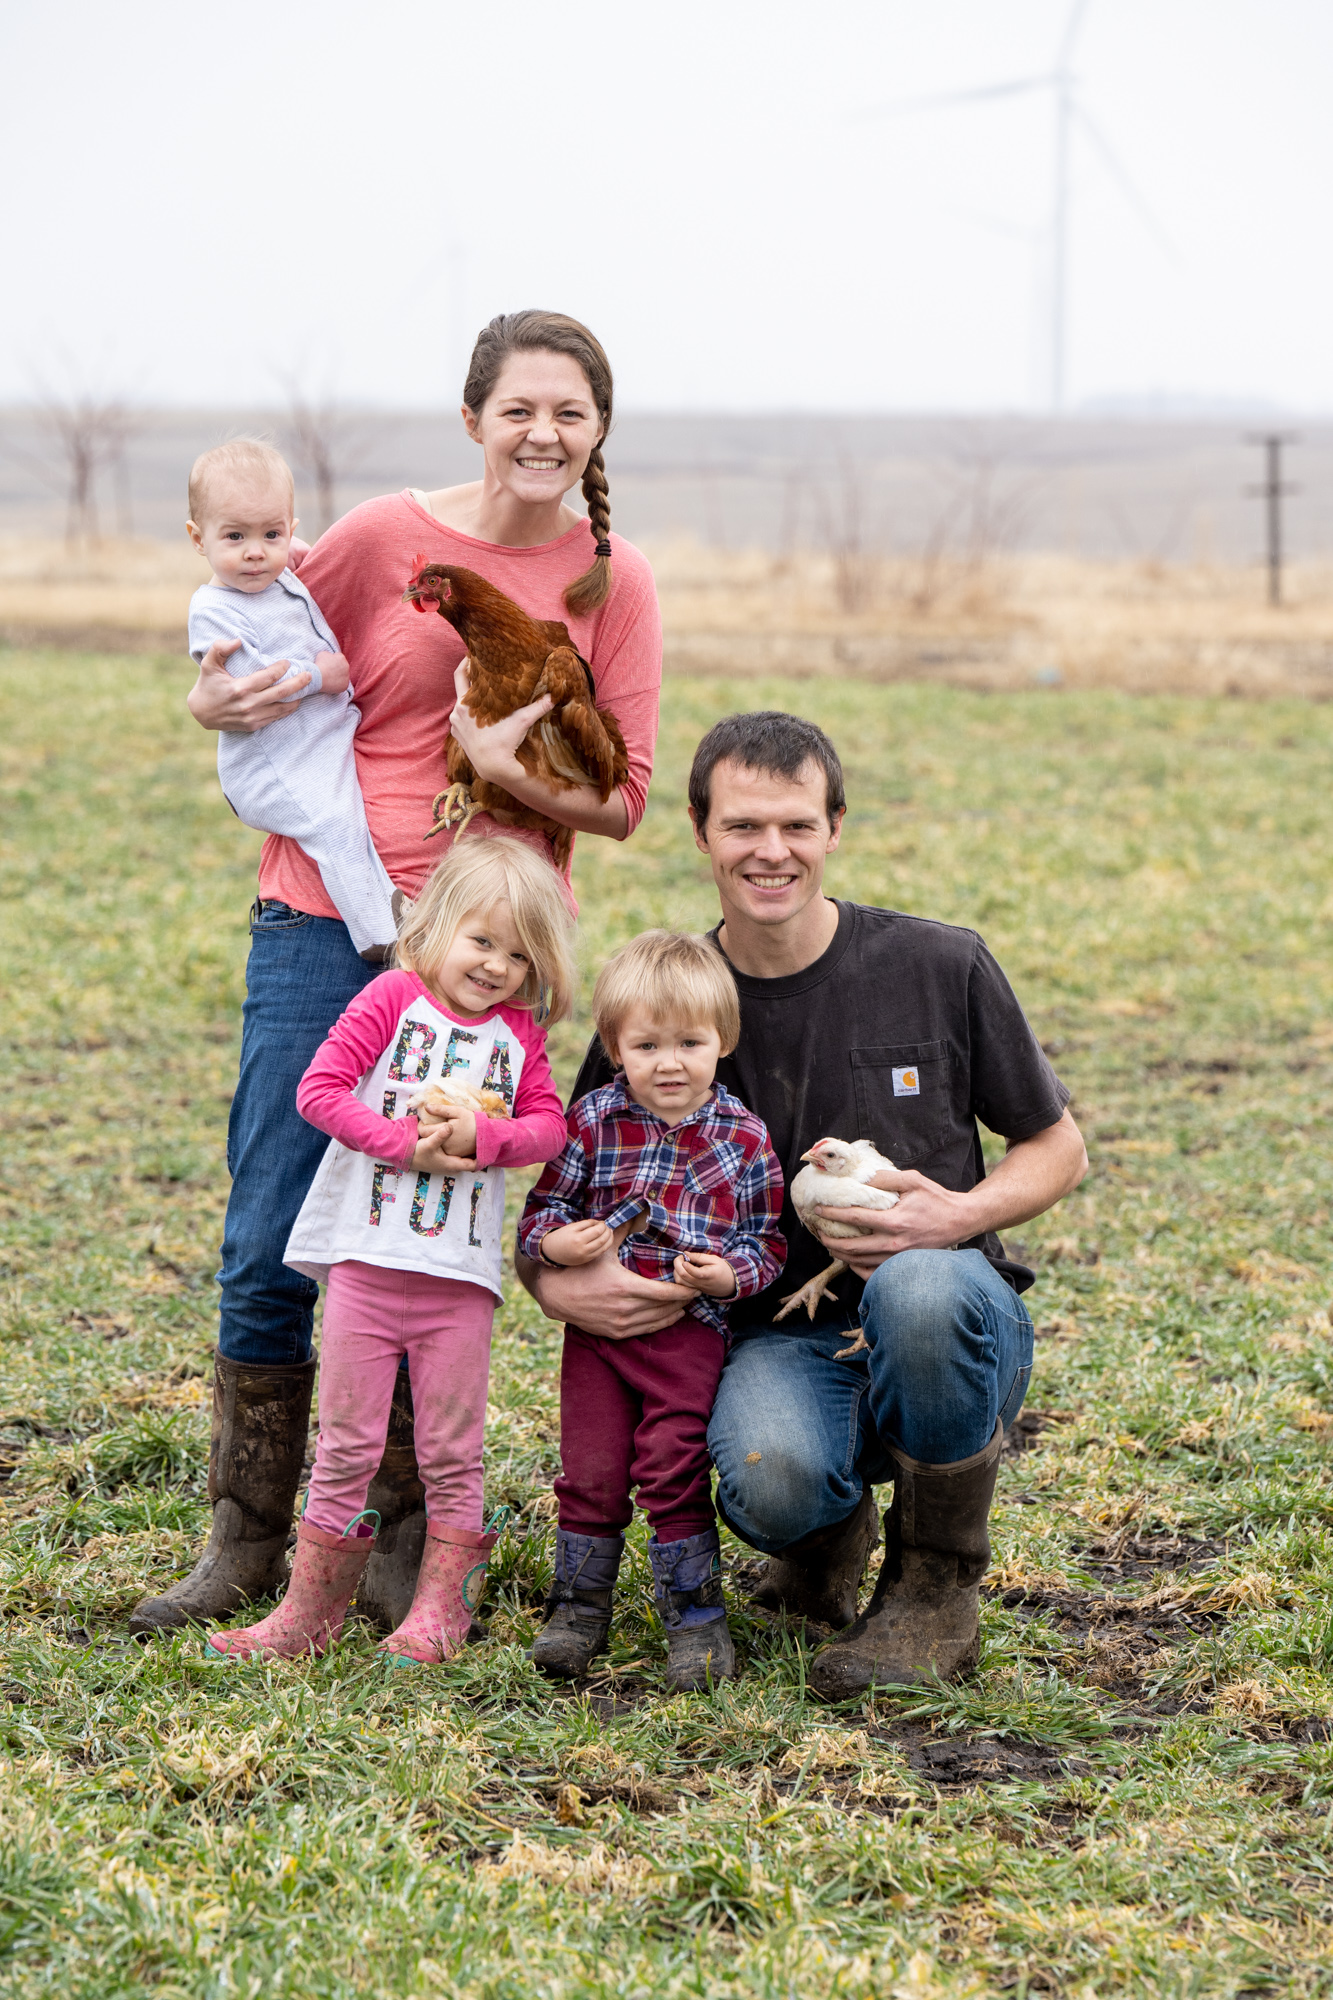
860, 1023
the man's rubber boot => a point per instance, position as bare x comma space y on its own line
397, 1495
449, 1586
325, 1571
687, 1584
924, 1618
578, 1604
260, 1419
819, 1577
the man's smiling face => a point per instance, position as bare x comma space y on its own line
767, 838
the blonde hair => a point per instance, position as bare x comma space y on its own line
241, 458
475, 875
675, 978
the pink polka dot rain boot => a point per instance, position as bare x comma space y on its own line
325, 1572
449, 1587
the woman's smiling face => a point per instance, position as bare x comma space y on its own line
538, 427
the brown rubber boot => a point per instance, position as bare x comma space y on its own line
819, 1577
260, 1419
399, 1498
924, 1617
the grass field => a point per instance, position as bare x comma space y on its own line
1135, 1795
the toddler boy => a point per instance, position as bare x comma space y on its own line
665, 1169
297, 776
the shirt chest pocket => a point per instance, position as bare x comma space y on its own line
902, 1099
712, 1169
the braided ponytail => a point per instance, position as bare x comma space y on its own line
594, 586
556, 333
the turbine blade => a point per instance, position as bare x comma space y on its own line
1017, 87
1120, 176
1072, 26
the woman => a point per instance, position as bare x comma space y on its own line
538, 401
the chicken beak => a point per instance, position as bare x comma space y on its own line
810, 1155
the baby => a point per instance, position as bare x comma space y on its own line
297, 776
665, 1169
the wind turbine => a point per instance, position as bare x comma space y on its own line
1061, 82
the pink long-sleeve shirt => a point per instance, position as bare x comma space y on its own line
366, 1202
403, 664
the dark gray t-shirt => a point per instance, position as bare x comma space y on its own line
905, 1032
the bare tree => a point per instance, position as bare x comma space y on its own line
324, 443
90, 431
843, 507
987, 503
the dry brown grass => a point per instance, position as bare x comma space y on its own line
1008, 623
116, 595
1004, 623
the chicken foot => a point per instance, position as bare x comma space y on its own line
814, 1290
809, 1296
460, 809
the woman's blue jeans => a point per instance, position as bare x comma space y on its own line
796, 1435
302, 973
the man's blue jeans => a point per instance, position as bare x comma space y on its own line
302, 972
796, 1436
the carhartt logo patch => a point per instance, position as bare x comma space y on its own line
906, 1083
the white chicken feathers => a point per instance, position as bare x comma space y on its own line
837, 1176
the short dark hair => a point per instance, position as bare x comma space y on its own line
768, 740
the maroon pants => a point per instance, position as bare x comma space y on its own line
635, 1413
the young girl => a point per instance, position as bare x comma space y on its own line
404, 1219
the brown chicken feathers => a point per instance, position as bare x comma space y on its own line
514, 660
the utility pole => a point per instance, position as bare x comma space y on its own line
1272, 492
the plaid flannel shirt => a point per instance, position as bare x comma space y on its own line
712, 1183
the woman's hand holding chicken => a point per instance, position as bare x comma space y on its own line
492, 747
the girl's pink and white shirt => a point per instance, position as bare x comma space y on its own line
366, 1203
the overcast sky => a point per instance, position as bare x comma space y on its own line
200, 199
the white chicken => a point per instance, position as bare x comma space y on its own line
439, 1101
837, 1176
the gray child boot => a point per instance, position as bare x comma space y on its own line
578, 1605
687, 1583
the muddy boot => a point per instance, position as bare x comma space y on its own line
924, 1618
449, 1586
687, 1583
260, 1419
819, 1576
325, 1571
399, 1498
578, 1605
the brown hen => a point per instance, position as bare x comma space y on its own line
514, 660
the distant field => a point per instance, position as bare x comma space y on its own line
988, 621
1134, 1797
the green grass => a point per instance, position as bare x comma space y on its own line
1134, 1796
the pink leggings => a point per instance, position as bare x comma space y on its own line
373, 1317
